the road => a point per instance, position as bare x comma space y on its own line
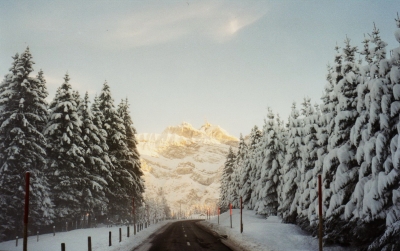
183, 236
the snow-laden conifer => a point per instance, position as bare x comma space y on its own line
66, 163
226, 182
133, 164
387, 178
291, 169
328, 111
267, 189
234, 189
119, 195
23, 111
345, 171
309, 157
246, 178
97, 163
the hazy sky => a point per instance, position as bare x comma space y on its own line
224, 61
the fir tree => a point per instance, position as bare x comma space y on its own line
268, 184
119, 195
234, 189
23, 111
388, 177
67, 170
97, 163
133, 166
226, 181
309, 157
248, 167
291, 170
344, 178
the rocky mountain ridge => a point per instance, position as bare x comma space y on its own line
186, 163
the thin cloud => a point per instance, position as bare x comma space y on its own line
215, 22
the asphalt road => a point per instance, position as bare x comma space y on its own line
185, 235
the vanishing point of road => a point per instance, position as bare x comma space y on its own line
182, 236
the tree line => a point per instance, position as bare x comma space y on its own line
351, 139
82, 155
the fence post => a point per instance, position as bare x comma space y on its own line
89, 243
218, 214
230, 212
62, 246
109, 238
320, 210
16, 241
37, 234
26, 211
241, 214
134, 216
127, 231
120, 234
54, 230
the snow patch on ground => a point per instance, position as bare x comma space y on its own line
76, 240
264, 234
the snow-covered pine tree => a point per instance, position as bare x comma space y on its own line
331, 158
326, 118
224, 198
309, 157
118, 196
42, 93
78, 101
291, 170
66, 164
388, 178
248, 167
255, 174
270, 169
97, 167
365, 136
23, 110
346, 170
282, 140
133, 166
234, 188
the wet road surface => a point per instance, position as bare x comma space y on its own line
185, 235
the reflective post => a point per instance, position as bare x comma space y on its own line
230, 212
320, 210
26, 212
241, 214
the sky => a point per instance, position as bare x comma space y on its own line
224, 62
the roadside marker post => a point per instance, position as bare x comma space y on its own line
241, 214
320, 210
89, 239
219, 210
26, 212
134, 216
230, 212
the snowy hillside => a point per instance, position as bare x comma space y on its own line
186, 163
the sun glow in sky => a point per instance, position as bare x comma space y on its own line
224, 61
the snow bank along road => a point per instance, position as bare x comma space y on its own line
76, 240
182, 235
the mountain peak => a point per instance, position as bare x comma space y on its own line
206, 131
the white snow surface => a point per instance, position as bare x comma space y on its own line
77, 240
263, 234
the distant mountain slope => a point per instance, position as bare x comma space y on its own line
186, 163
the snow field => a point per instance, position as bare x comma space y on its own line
264, 234
77, 240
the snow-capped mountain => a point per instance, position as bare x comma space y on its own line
186, 163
